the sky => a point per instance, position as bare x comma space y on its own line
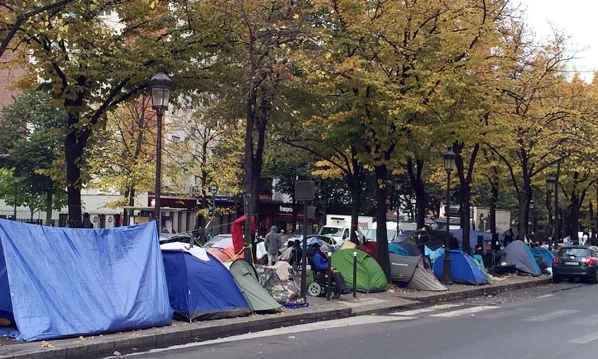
575, 18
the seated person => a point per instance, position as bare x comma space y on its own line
321, 264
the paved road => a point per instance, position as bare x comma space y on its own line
542, 322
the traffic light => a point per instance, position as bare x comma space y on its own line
211, 211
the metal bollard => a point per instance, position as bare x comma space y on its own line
329, 278
354, 274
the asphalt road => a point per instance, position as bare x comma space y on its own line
551, 321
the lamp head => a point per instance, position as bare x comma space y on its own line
160, 85
449, 159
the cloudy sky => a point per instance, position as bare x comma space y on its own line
575, 18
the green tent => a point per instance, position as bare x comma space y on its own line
256, 296
370, 277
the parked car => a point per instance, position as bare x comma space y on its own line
177, 237
575, 262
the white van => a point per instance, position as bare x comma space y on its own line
391, 231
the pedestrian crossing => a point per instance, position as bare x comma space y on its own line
570, 317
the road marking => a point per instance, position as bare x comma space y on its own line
550, 316
426, 310
546, 296
585, 339
465, 311
326, 325
591, 320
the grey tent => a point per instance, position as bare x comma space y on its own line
258, 298
519, 254
414, 273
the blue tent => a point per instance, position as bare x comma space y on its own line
544, 253
463, 268
61, 282
200, 286
520, 255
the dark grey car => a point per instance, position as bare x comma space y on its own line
576, 262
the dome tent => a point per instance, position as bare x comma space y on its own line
370, 276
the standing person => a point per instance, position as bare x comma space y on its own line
272, 244
87, 221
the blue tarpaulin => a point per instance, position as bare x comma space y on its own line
60, 282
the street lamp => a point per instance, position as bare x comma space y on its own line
449, 162
160, 85
16, 183
531, 209
550, 188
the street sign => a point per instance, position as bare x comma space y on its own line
214, 189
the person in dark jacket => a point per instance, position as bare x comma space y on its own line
87, 221
272, 244
321, 262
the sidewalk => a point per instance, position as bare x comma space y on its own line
319, 309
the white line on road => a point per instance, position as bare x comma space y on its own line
585, 339
545, 296
591, 320
465, 311
426, 310
549, 316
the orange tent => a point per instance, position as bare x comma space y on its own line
221, 247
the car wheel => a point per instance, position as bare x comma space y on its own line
314, 289
594, 278
556, 278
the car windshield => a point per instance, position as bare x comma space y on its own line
330, 231
574, 252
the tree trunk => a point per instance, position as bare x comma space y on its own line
421, 198
355, 188
74, 143
49, 208
381, 209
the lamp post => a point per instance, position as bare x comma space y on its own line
531, 209
550, 188
160, 85
449, 162
16, 183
